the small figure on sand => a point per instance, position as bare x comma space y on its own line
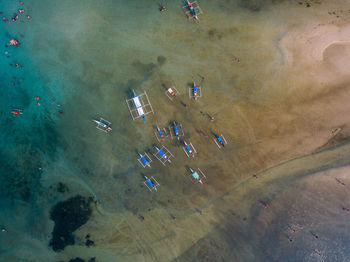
142, 218
211, 117
264, 204
314, 235
317, 253
288, 237
236, 59
339, 181
300, 226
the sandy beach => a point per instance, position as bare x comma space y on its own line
275, 77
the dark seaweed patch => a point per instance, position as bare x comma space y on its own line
77, 259
214, 34
68, 216
62, 188
161, 60
89, 243
144, 68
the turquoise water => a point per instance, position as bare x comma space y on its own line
82, 59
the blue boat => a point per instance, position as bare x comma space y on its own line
144, 161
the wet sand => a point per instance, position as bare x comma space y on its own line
285, 98
304, 220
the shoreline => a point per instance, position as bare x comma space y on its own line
312, 42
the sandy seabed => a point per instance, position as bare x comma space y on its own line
283, 109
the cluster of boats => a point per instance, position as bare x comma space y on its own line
139, 106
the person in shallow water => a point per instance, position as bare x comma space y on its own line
15, 17
17, 112
14, 42
162, 8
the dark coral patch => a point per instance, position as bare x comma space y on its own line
89, 243
62, 188
161, 60
77, 259
68, 216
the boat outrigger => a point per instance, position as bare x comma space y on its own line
103, 124
189, 149
171, 93
195, 91
139, 106
163, 154
177, 130
197, 176
144, 160
160, 133
151, 183
192, 9
220, 141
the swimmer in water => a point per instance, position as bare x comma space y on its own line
13, 42
15, 17
162, 8
17, 112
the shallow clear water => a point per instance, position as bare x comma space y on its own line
83, 58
